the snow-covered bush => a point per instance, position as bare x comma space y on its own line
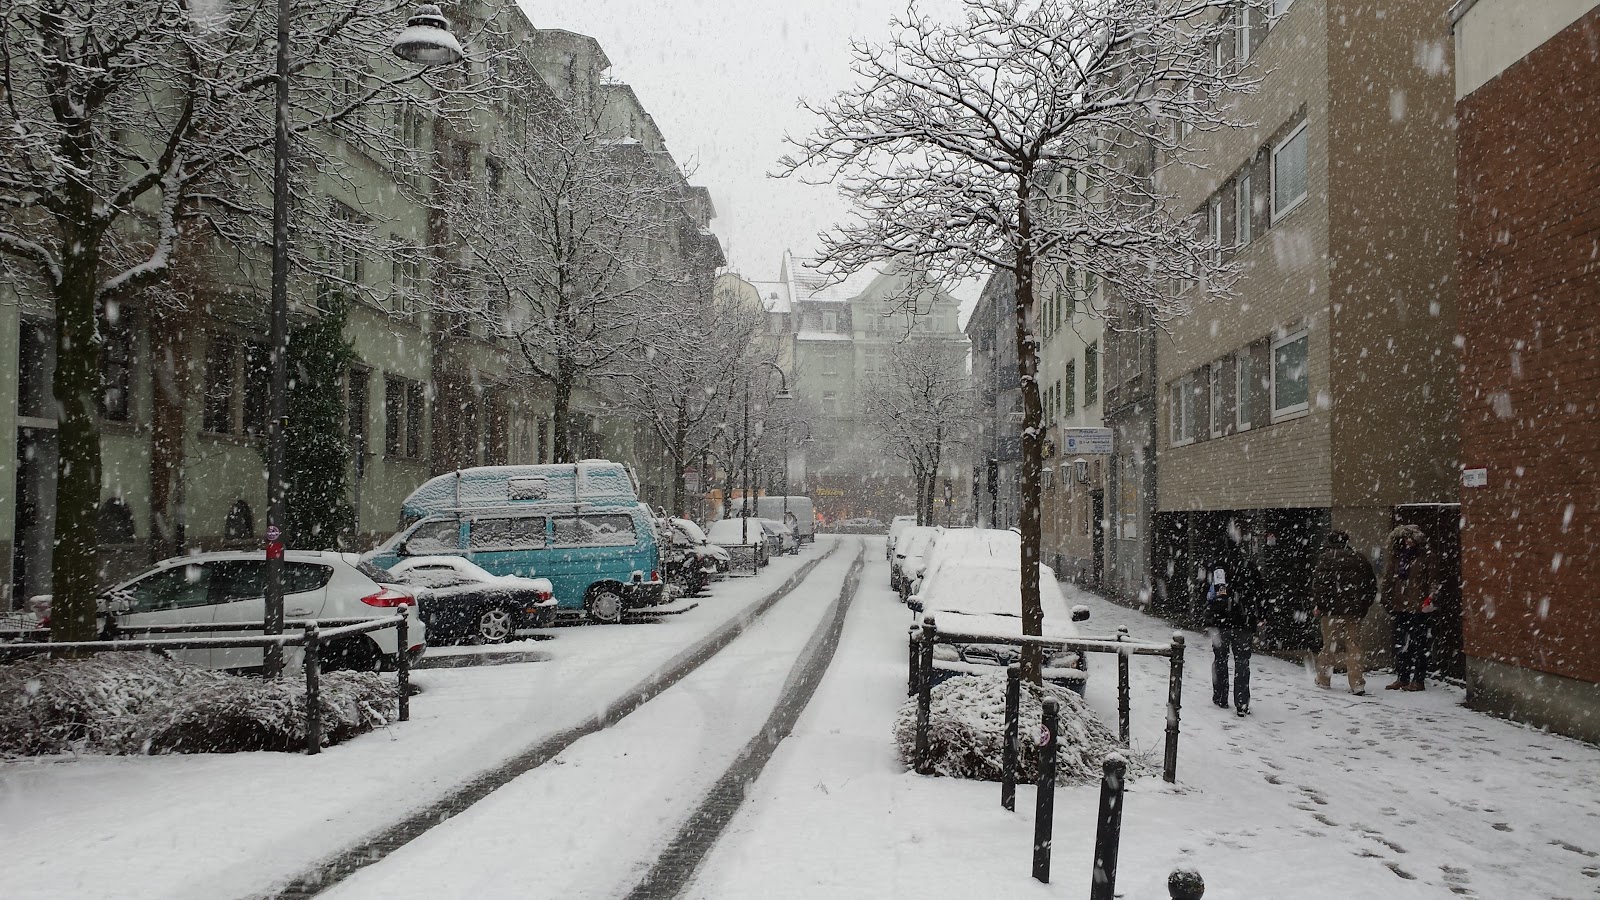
132, 703
966, 732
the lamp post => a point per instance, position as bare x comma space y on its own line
426, 40
804, 440
783, 395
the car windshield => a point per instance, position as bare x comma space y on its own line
1238, 358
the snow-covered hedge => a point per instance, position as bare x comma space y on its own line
966, 732
136, 703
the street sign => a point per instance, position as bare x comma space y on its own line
1474, 477
1044, 736
1086, 440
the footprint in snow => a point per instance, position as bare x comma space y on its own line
1579, 850
1395, 868
1501, 826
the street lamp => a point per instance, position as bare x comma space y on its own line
782, 395
805, 440
425, 40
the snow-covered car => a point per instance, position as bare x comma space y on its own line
982, 595
788, 542
231, 587
694, 536
896, 525
740, 532
910, 556
460, 601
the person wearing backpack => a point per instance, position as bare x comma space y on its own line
1234, 613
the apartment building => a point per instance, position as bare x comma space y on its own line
1324, 394
997, 442
1528, 107
187, 386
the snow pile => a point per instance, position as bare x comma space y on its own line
135, 703
966, 732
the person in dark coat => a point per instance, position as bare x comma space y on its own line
1411, 581
1342, 587
1234, 613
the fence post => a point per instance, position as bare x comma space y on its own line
1045, 809
924, 761
1008, 758
313, 665
914, 662
1122, 687
1185, 884
1108, 831
402, 663
1169, 762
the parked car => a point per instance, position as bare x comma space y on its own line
798, 512
897, 525
601, 558
743, 532
691, 562
231, 587
974, 592
460, 601
788, 541
910, 556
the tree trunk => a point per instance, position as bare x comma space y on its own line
1032, 430
74, 575
561, 449
677, 453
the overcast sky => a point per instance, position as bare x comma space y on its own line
722, 79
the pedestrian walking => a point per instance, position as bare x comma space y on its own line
1411, 579
1234, 613
1342, 587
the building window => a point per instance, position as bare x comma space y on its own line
344, 254
1180, 408
409, 285
1215, 224
1241, 34
1243, 371
1091, 374
1289, 172
114, 524
403, 409
356, 388
1241, 211
1291, 391
1215, 377
1069, 386
830, 322
830, 403
241, 522
237, 382
116, 370
1279, 7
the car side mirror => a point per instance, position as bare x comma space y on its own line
1080, 614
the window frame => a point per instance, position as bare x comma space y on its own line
1242, 210
1241, 35
1242, 389
1091, 374
1272, 168
1214, 372
1297, 410
1180, 411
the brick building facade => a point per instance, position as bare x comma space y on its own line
1529, 216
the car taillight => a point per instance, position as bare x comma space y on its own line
654, 575
543, 595
389, 597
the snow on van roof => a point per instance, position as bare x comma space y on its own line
591, 481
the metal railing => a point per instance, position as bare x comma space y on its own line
920, 679
312, 635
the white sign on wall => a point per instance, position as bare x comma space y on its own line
1086, 440
1474, 477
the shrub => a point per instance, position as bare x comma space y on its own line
134, 703
966, 732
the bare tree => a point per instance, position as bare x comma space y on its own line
132, 132
919, 405
958, 137
682, 380
570, 249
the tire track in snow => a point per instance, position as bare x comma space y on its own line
380, 845
676, 866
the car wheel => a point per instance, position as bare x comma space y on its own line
494, 625
358, 654
604, 604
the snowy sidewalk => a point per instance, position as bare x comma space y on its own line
1317, 795
226, 826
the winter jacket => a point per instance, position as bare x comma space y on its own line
1410, 576
1236, 602
1343, 583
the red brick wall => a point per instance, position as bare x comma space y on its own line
1528, 157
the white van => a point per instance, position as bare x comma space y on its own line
799, 513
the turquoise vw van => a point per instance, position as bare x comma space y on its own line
599, 552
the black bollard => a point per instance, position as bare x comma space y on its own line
1169, 762
924, 754
1185, 884
313, 664
1045, 810
913, 662
1008, 757
402, 664
1108, 831
1122, 688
